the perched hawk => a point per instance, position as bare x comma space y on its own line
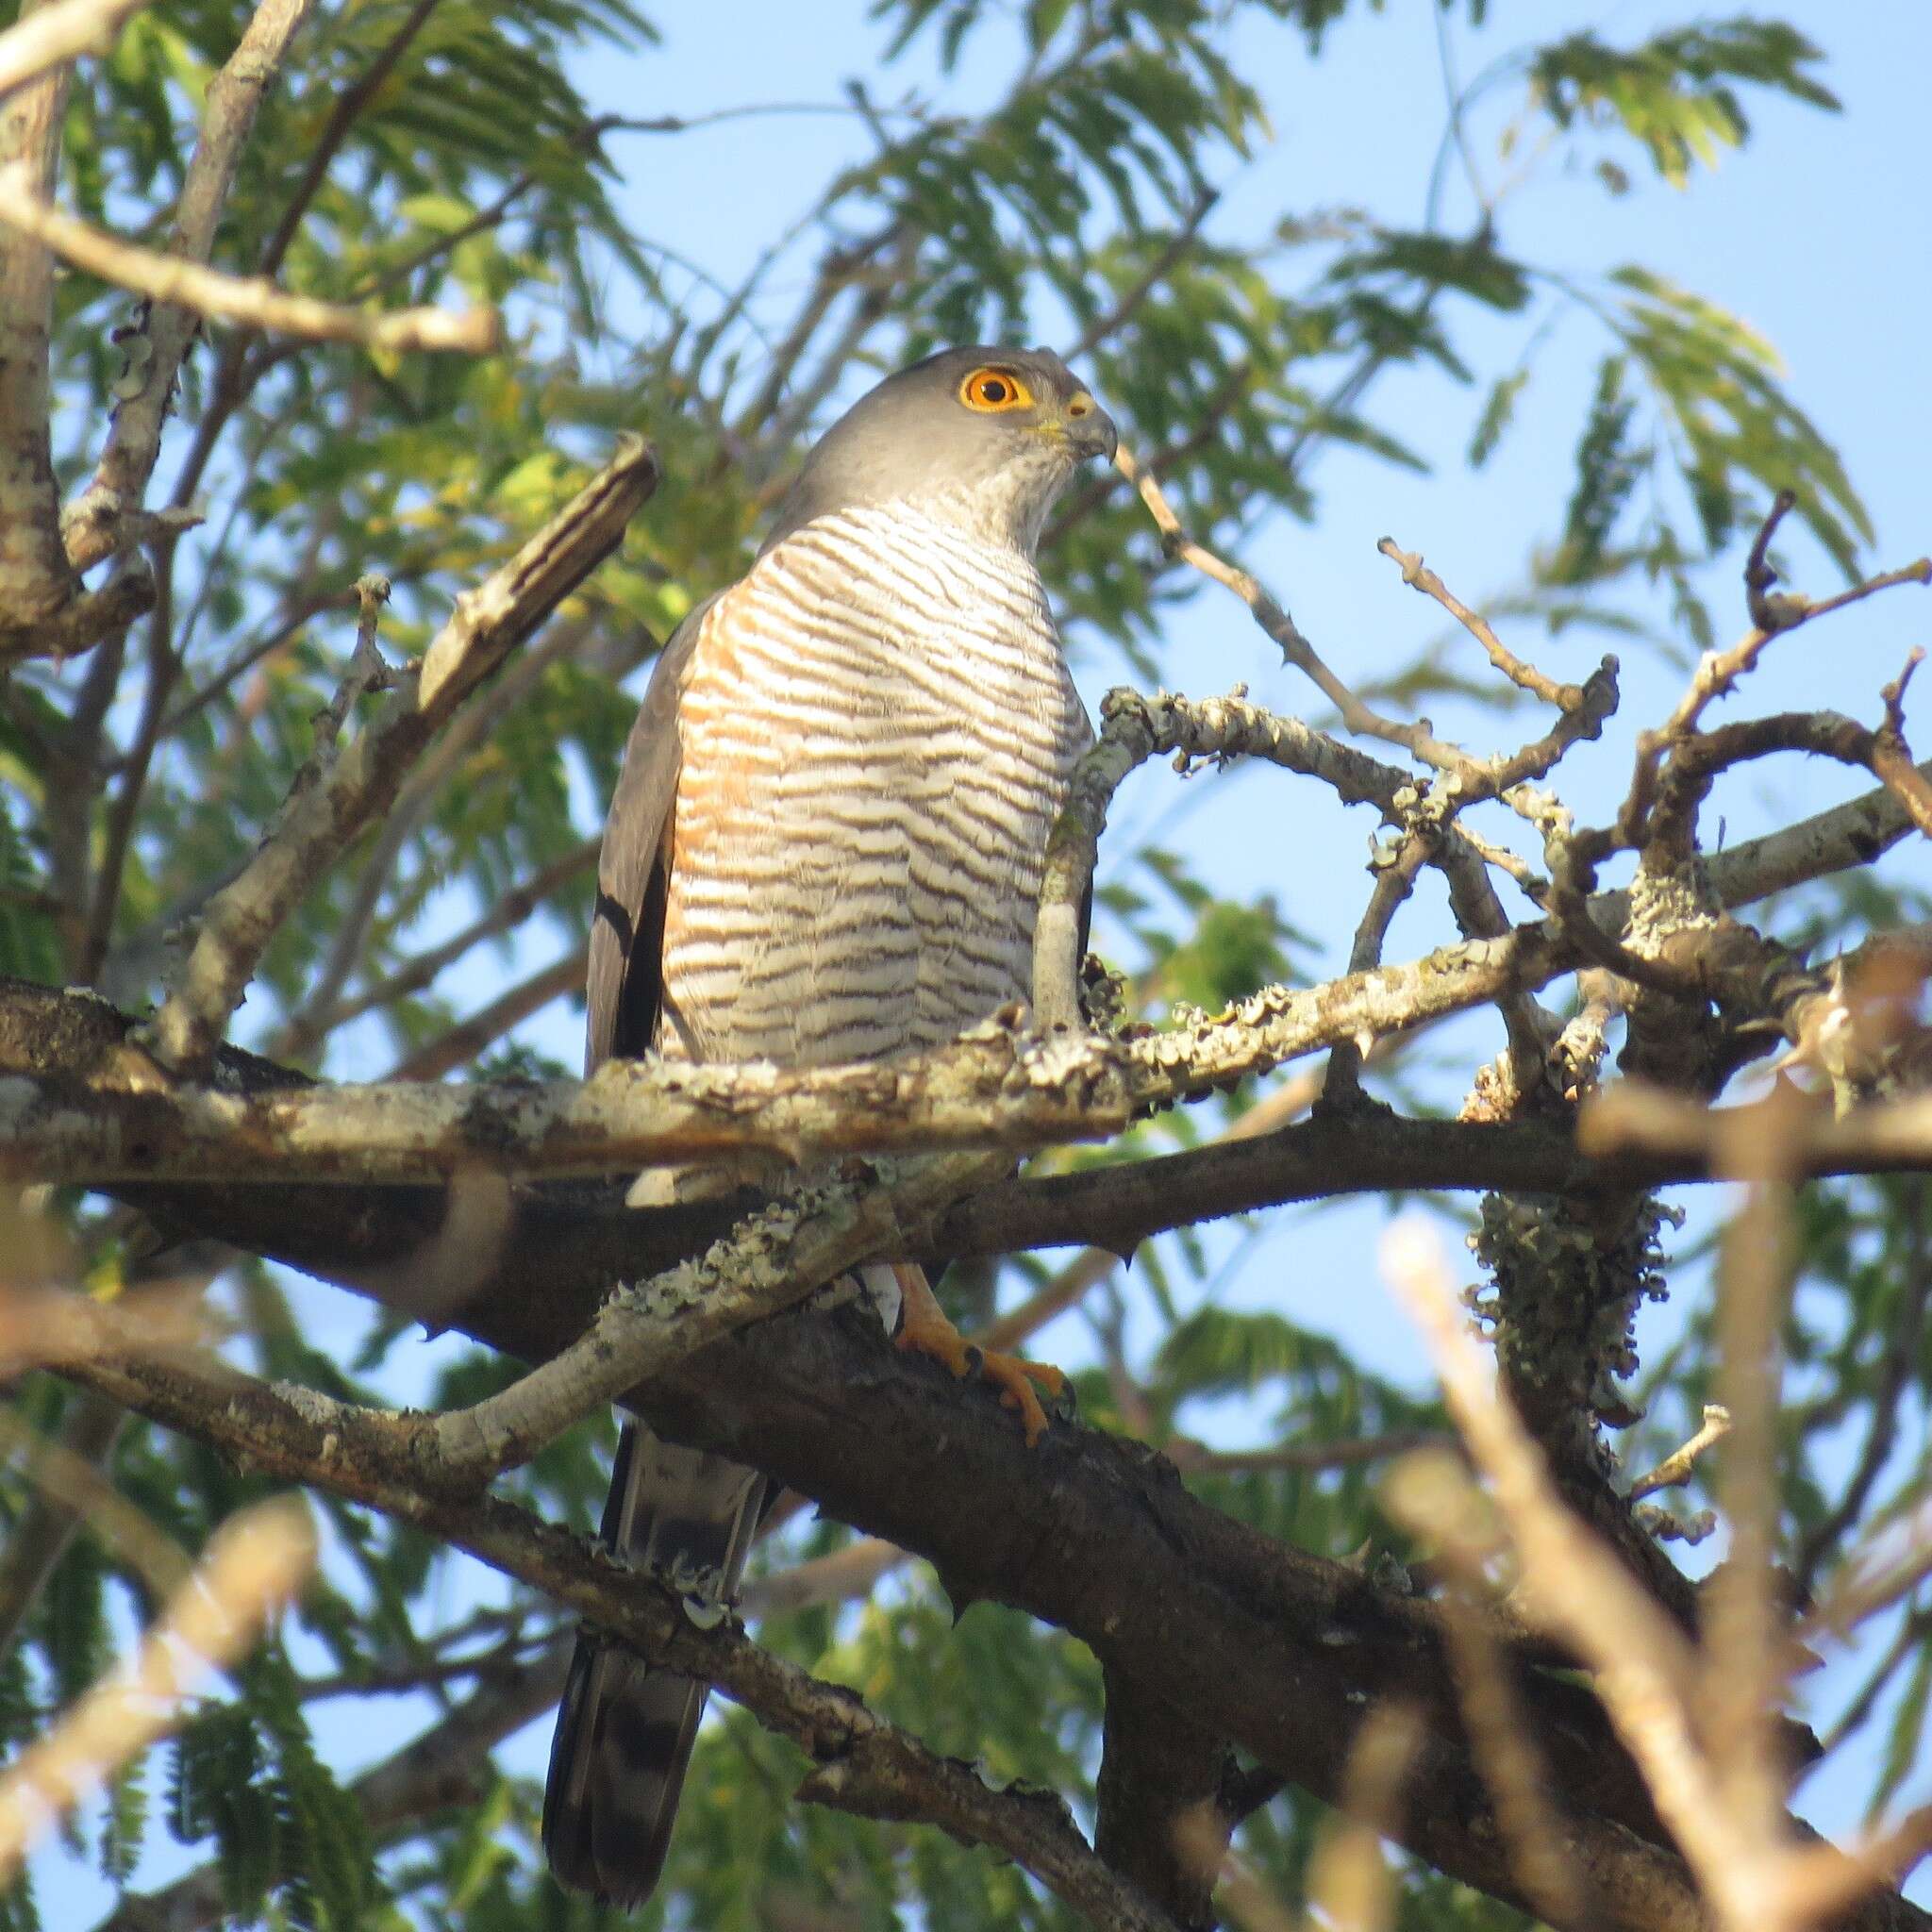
826, 846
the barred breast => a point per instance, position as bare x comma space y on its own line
879, 732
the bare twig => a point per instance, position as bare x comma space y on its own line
348, 107
1746, 1856
1525, 676
155, 348
1891, 756
462, 1043
1115, 318
1417, 740
1718, 673
487, 622
1676, 1467
506, 913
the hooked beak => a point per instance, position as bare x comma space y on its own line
1089, 428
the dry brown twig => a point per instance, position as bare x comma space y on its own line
1717, 674
253, 1566
1525, 675
1750, 1865
1891, 759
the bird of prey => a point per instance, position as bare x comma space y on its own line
826, 846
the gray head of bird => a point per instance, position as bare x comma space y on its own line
983, 438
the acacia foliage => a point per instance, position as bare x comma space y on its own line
1073, 202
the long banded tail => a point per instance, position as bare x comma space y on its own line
625, 1729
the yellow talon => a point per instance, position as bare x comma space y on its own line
926, 1331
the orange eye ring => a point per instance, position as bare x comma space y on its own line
993, 392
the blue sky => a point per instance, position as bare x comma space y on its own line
1817, 235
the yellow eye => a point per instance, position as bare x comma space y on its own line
993, 390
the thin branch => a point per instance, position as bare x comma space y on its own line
1525, 676
1111, 321
249, 302
315, 825
1676, 1467
1748, 1862
506, 913
42, 40
462, 1043
473, 728
1417, 740
349, 105
1718, 673
1893, 758
160, 339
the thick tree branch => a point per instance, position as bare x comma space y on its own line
1284, 1651
36, 583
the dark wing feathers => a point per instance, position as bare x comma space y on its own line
625, 1729
625, 985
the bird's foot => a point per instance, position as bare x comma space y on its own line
927, 1330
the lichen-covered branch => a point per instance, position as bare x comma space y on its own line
993, 1088
860, 1763
773, 1259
